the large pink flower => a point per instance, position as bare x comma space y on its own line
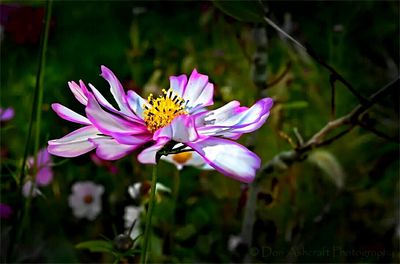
177, 116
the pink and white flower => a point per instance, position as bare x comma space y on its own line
177, 116
40, 172
85, 199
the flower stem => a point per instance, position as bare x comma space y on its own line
144, 257
36, 105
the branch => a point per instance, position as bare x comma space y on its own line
307, 48
286, 158
280, 76
332, 81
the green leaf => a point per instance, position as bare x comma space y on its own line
246, 11
328, 163
96, 246
185, 232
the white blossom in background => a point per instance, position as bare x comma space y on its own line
233, 242
28, 190
131, 214
85, 199
189, 158
136, 189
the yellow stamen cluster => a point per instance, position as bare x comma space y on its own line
162, 110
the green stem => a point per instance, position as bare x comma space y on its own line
144, 257
175, 197
117, 258
177, 178
35, 114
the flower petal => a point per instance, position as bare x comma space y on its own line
228, 157
44, 176
43, 158
178, 84
148, 155
137, 139
231, 120
108, 123
198, 92
30, 191
181, 129
67, 114
136, 103
75, 143
110, 149
103, 101
116, 89
79, 91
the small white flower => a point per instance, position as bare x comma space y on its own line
132, 213
85, 199
188, 158
233, 242
134, 190
29, 191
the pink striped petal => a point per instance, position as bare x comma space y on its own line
75, 143
137, 139
100, 98
103, 101
136, 103
79, 91
228, 157
108, 123
198, 91
116, 89
110, 149
68, 114
181, 129
231, 120
178, 84
148, 155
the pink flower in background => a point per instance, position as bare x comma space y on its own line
6, 114
5, 211
177, 116
41, 172
85, 199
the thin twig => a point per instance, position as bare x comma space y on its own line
377, 132
288, 157
275, 26
310, 51
333, 97
280, 77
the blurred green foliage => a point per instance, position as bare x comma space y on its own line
301, 211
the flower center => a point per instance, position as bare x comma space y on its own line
88, 199
162, 110
182, 157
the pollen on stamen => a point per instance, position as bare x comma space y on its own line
160, 111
